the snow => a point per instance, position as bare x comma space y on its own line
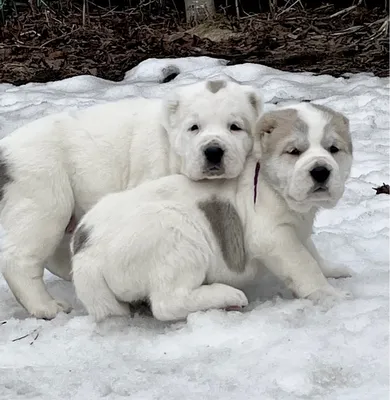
280, 348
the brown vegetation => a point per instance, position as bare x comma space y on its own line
64, 40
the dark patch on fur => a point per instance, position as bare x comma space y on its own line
5, 177
227, 227
80, 238
170, 73
215, 86
253, 101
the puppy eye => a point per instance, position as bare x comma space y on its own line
294, 152
333, 149
194, 128
235, 127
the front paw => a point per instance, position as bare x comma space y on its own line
50, 309
235, 300
329, 296
337, 271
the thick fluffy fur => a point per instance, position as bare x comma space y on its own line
188, 246
60, 166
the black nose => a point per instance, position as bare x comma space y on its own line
320, 174
213, 154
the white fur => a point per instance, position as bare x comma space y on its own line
61, 165
155, 242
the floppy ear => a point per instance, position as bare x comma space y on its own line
343, 130
342, 121
170, 107
267, 124
255, 100
269, 121
264, 126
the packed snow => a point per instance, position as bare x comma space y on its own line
279, 348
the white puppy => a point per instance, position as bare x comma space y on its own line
187, 246
55, 169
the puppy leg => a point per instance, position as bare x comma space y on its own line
330, 270
34, 215
177, 304
92, 289
291, 261
24, 256
59, 263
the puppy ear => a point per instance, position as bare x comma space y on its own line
266, 124
341, 125
171, 105
341, 122
255, 100
282, 119
273, 119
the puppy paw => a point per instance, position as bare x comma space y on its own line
235, 300
337, 271
50, 310
329, 296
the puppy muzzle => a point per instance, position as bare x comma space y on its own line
313, 177
214, 155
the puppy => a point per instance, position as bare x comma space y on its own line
187, 246
55, 169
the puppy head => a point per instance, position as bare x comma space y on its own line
306, 154
210, 126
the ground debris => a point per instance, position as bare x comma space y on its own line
46, 46
383, 189
34, 334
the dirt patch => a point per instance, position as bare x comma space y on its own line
49, 46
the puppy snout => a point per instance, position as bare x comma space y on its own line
320, 174
214, 154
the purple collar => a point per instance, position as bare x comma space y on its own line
255, 180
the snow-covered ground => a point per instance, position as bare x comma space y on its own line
279, 349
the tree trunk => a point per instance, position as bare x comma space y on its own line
199, 10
